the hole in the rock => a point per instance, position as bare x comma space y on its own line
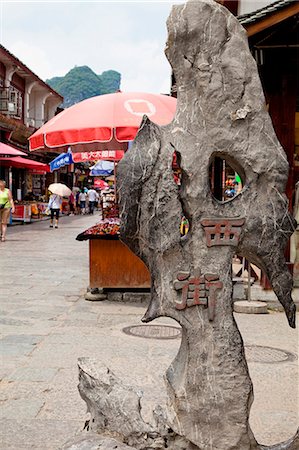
177, 176
176, 170
226, 178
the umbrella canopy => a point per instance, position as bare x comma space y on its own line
60, 189
101, 184
9, 152
102, 168
24, 163
103, 122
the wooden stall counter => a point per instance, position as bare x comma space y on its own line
112, 264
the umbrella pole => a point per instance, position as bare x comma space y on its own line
115, 190
10, 178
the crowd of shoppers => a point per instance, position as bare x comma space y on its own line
87, 200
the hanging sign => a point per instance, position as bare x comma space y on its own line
108, 155
62, 160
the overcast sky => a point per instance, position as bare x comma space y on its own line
51, 37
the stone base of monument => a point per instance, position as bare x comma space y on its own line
92, 441
95, 295
129, 297
250, 307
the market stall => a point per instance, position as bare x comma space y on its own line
101, 128
28, 187
111, 263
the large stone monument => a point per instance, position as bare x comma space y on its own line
221, 112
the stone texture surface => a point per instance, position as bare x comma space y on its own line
220, 112
92, 441
95, 296
116, 408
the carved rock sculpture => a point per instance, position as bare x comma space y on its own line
116, 415
221, 112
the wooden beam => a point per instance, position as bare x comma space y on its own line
273, 19
231, 5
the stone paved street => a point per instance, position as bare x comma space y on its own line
46, 325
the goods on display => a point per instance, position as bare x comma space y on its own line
110, 207
102, 228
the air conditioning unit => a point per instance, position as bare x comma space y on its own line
11, 107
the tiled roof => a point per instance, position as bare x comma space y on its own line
264, 12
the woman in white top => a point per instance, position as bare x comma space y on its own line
82, 202
54, 206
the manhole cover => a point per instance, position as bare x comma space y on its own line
267, 355
153, 331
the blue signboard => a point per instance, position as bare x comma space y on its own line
62, 160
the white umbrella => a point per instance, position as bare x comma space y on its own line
60, 189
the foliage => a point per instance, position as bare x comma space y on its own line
81, 83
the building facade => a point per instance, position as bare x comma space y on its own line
26, 103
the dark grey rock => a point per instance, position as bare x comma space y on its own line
92, 441
95, 296
136, 297
96, 290
116, 409
220, 112
115, 296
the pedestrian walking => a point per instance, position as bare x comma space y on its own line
72, 204
93, 199
82, 202
77, 202
54, 206
6, 204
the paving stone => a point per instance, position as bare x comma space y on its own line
33, 374
14, 322
37, 434
25, 408
21, 338
9, 349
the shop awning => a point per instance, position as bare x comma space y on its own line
6, 151
24, 163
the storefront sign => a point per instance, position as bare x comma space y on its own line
112, 155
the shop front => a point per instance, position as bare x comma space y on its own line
27, 180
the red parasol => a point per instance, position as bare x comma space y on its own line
103, 122
23, 163
100, 184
